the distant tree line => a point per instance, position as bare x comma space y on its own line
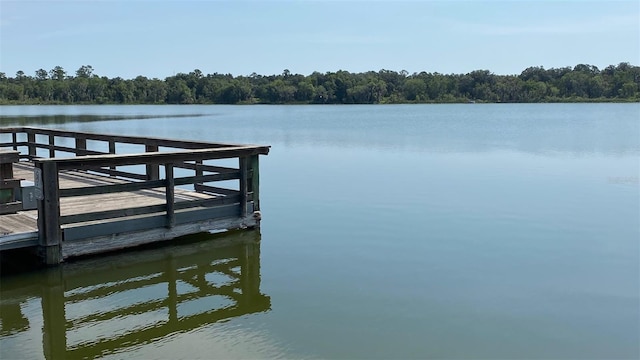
535, 84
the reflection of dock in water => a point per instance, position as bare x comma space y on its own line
105, 305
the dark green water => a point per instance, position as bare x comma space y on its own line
430, 231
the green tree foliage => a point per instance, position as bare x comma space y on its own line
583, 82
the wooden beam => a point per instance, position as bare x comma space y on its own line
122, 174
52, 146
50, 234
141, 223
243, 185
254, 183
112, 150
153, 170
81, 146
86, 162
31, 139
199, 167
170, 195
216, 190
178, 144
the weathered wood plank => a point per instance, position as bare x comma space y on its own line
19, 240
22, 222
139, 223
116, 241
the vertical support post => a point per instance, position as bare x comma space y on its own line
254, 184
14, 139
170, 195
52, 144
112, 150
81, 146
112, 147
31, 139
54, 332
153, 170
199, 172
243, 186
49, 232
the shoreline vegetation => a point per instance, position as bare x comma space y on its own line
582, 83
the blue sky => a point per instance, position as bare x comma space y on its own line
162, 38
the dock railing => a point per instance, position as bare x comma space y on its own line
135, 171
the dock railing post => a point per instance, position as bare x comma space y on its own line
31, 139
81, 146
153, 170
198, 172
112, 150
49, 232
52, 145
254, 183
170, 195
243, 185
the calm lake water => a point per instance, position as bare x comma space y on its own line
410, 231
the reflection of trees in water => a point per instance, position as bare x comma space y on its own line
99, 306
63, 119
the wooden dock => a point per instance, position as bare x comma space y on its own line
91, 193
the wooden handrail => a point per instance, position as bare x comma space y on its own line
153, 141
83, 162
